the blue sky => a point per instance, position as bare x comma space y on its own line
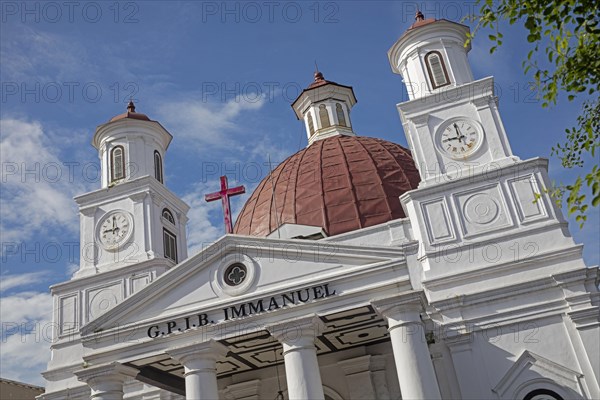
220, 77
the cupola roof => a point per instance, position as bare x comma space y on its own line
130, 113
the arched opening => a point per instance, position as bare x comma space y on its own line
542, 394
438, 75
324, 116
158, 170
340, 114
117, 163
311, 124
167, 215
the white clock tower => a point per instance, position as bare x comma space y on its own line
134, 217
452, 121
476, 208
132, 231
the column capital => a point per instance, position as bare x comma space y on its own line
413, 361
458, 341
106, 381
297, 332
408, 305
114, 371
302, 373
210, 350
199, 362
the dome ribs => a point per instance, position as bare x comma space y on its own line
309, 201
324, 216
273, 181
403, 185
343, 213
244, 220
341, 183
371, 210
294, 202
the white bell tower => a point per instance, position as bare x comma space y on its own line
452, 122
133, 230
130, 146
432, 59
477, 205
134, 217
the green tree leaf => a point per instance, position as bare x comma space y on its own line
570, 67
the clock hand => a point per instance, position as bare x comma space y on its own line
449, 139
459, 135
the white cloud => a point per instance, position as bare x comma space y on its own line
72, 268
26, 307
8, 282
208, 124
24, 357
26, 52
26, 336
200, 230
37, 190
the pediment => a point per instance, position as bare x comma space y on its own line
532, 371
267, 267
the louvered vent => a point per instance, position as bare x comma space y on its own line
437, 70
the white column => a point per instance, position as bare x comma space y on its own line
200, 364
106, 381
300, 356
413, 361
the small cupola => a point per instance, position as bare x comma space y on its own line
130, 146
324, 106
431, 56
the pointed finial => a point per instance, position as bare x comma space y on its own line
131, 106
318, 75
419, 16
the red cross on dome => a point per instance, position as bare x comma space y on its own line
224, 195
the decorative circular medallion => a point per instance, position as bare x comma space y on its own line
101, 302
480, 209
235, 274
459, 138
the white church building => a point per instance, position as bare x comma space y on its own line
357, 270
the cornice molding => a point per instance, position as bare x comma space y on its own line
139, 186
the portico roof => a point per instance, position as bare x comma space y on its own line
288, 279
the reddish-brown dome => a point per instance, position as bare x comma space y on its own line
341, 184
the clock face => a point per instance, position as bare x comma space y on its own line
460, 139
115, 229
